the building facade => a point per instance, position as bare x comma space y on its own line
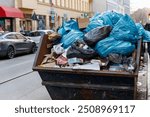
121, 6
50, 13
8, 23
8, 3
127, 6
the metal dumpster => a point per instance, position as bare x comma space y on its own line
68, 84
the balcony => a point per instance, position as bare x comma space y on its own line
27, 4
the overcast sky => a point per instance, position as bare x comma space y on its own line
135, 4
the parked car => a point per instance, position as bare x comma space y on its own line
25, 32
13, 43
36, 35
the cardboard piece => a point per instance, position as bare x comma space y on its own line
83, 22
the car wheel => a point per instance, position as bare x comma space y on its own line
34, 48
10, 52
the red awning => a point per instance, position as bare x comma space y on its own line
10, 12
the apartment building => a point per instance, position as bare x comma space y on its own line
50, 12
121, 6
127, 6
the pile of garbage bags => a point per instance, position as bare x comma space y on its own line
143, 33
110, 39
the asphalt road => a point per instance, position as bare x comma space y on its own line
18, 81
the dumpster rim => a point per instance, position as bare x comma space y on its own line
84, 72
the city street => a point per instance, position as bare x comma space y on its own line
74, 50
18, 81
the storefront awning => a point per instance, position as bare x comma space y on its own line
10, 12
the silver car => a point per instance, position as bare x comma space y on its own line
13, 43
36, 35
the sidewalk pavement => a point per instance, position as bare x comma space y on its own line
149, 79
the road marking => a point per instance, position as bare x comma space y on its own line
16, 77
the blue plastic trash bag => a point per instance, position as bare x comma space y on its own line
107, 18
143, 33
146, 36
62, 31
110, 45
95, 22
71, 37
110, 18
95, 17
68, 26
141, 30
125, 30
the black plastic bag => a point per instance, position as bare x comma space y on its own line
115, 58
97, 34
80, 50
129, 64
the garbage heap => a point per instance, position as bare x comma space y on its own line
109, 43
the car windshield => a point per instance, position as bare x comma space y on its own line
41, 33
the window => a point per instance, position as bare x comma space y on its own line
127, 2
40, 0
11, 36
111, 7
40, 33
67, 3
20, 36
53, 2
62, 3
41, 22
34, 34
1, 34
73, 4
47, 1
58, 2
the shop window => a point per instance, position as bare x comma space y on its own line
26, 23
6, 24
41, 22
2, 23
52, 22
